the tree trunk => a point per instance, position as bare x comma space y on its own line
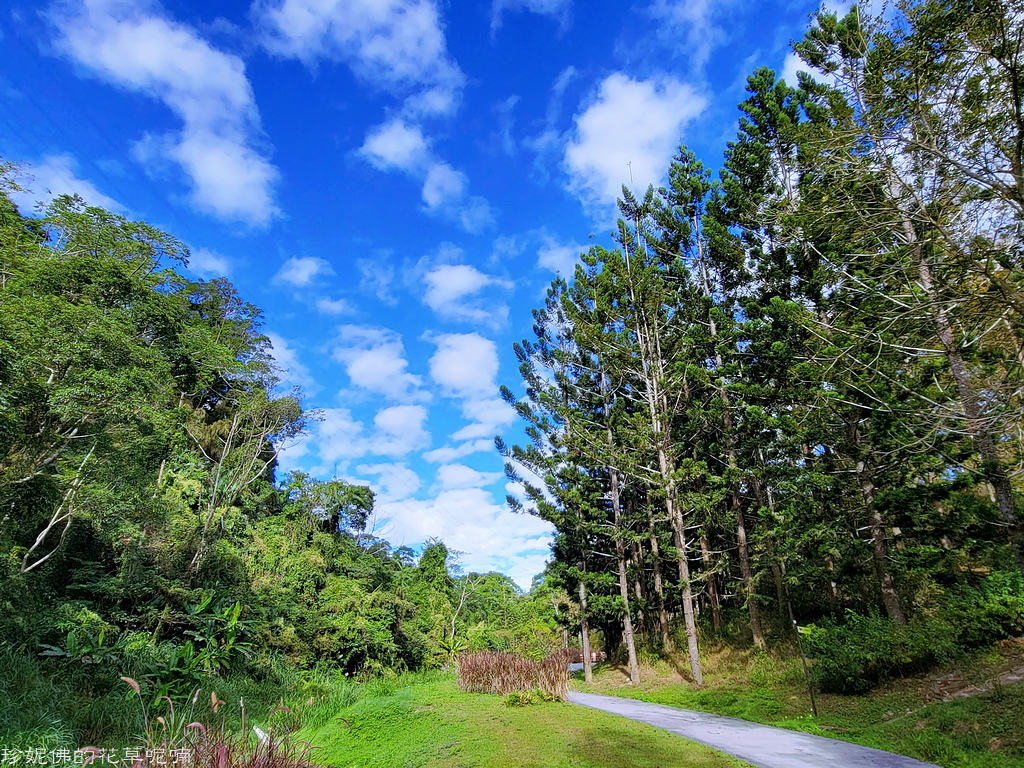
620, 547
880, 548
991, 465
638, 588
688, 616
666, 638
736, 501
747, 573
712, 585
588, 667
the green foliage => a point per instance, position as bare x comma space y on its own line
852, 657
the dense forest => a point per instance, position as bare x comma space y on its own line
144, 530
792, 394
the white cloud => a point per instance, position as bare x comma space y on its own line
468, 520
449, 453
690, 26
207, 263
450, 288
460, 476
559, 257
300, 271
132, 47
395, 145
397, 480
400, 431
292, 371
53, 176
488, 415
465, 365
374, 359
327, 306
337, 439
376, 278
442, 185
398, 146
630, 125
395, 45
475, 214
557, 8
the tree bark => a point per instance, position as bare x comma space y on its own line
620, 547
880, 547
712, 585
588, 667
992, 466
666, 638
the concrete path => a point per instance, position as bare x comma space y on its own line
760, 745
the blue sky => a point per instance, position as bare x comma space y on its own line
395, 182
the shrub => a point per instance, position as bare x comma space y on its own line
505, 673
854, 656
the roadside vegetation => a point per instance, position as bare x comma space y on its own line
955, 715
428, 721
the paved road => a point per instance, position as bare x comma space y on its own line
760, 745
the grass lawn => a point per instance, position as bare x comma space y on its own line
432, 723
985, 731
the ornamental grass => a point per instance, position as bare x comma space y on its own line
504, 673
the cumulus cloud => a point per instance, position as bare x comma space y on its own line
399, 431
559, 257
460, 476
136, 48
450, 292
301, 271
53, 176
395, 481
559, 9
374, 359
465, 365
327, 306
691, 27
291, 370
629, 125
450, 453
488, 414
338, 439
208, 264
443, 184
395, 145
395, 45
376, 278
468, 520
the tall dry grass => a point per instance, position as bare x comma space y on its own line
505, 673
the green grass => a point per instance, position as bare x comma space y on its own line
429, 722
985, 731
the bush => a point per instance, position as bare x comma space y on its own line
856, 655
506, 673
